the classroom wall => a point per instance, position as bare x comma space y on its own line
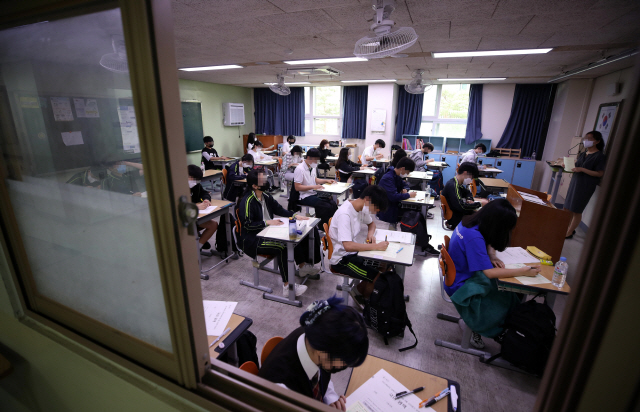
497, 100
227, 139
381, 96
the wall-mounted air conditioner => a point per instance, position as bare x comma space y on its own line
233, 114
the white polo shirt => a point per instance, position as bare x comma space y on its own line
346, 224
306, 176
259, 156
369, 152
286, 148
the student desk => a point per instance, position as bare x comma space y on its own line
489, 172
423, 177
334, 190
494, 185
514, 285
283, 237
212, 175
224, 162
364, 172
223, 206
423, 204
409, 377
437, 165
331, 158
382, 163
238, 325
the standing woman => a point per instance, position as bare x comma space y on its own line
589, 169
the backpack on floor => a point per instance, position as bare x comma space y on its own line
436, 182
358, 186
246, 346
413, 222
221, 235
386, 312
530, 330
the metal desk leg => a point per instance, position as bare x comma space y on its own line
557, 179
291, 300
400, 271
335, 198
423, 185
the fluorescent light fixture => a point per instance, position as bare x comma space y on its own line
599, 63
369, 81
437, 55
479, 79
223, 67
322, 61
292, 83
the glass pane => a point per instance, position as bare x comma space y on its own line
75, 175
325, 126
426, 129
307, 126
451, 129
454, 101
429, 105
307, 101
327, 101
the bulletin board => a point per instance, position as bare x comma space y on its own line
378, 120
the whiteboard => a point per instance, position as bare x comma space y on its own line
378, 120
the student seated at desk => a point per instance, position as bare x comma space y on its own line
394, 185
397, 155
459, 197
122, 180
371, 153
209, 154
345, 167
474, 291
324, 149
305, 181
471, 155
288, 144
251, 140
289, 163
259, 156
256, 211
92, 177
202, 199
421, 156
345, 228
237, 171
332, 337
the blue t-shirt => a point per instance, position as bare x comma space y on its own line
468, 250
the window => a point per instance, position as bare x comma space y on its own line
323, 110
444, 112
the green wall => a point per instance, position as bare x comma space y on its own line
226, 140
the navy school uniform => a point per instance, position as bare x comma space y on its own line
234, 172
457, 196
393, 185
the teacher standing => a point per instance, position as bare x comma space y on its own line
589, 169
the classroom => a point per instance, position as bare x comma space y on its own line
356, 205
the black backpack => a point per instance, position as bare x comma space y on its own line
413, 222
386, 312
530, 330
246, 347
378, 175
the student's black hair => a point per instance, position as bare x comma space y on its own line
251, 138
296, 149
257, 143
408, 164
380, 143
470, 168
429, 146
98, 171
495, 222
399, 154
315, 153
482, 146
207, 139
195, 172
377, 195
338, 330
252, 179
599, 141
247, 158
291, 137
343, 157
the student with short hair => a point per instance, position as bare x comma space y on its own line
345, 167
372, 152
459, 198
394, 185
92, 177
122, 180
418, 156
209, 154
256, 211
202, 199
472, 248
237, 171
305, 181
471, 155
288, 144
331, 338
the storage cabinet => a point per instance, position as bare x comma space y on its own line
507, 166
523, 173
449, 172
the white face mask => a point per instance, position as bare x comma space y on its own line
587, 143
314, 165
404, 175
365, 210
246, 166
296, 159
192, 183
467, 181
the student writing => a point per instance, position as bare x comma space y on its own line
345, 167
472, 154
394, 185
372, 152
306, 181
459, 198
237, 171
202, 199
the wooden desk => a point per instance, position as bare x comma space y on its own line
212, 174
238, 325
514, 285
409, 377
492, 182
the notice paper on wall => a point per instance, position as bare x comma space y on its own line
61, 107
216, 315
129, 129
88, 108
72, 138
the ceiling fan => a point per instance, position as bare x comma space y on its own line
117, 61
279, 87
418, 85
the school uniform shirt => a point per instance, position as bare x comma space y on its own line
286, 148
469, 156
234, 172
199, 194
305, 175
84, 179
468, 250
346, 169
418, 157
369, 152
253, 214
290, 366
259, 156
457, 196
346, 224
393, 185
207, 154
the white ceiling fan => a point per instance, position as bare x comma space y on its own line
418, 85
117, 61
279, 87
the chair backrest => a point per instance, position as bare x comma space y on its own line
327, 238
337, 175
474, 187
447, 213
249, 366
360, 159
268, 347
238, 225
279, 163
447, 266
447, 239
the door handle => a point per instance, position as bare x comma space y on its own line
188, 214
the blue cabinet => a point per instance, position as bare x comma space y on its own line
486, 161
523, 173
507, 166
449, 172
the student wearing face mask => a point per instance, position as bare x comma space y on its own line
237, 171
209, 154
259, 156
345, 167
331, 338
471, 155
324, 149
288, 144
120, 179
290, 161
394, 184
202, 199
306, 181
256, 211
589, 169
458, 197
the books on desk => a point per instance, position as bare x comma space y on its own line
514, 256
393, 236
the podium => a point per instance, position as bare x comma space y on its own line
541, 225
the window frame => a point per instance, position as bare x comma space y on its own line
311, 110
436, 121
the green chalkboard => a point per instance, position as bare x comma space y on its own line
192, 122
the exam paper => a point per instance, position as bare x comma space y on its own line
216, 315
515, 255
393, 236
208, 210
533, 280
419, 196
376, 395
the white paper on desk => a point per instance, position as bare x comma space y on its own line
393, 236
277, 231
533, 280
208, 210
376, 395
515, 255
72, 138
216, 315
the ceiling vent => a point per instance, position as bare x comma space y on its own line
314, 71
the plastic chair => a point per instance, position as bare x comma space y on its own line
249, 366
347, 283
257, 265
445, 211
268, 347
225, 172
473, 187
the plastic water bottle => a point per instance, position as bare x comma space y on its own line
293, 229
560, 273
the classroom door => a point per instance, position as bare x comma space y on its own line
92, 172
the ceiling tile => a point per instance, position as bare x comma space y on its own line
488, 27
440, 45
426, 10
231, 10
300, 5
513, 8
512, 42
302, 22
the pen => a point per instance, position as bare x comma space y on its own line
385, 238
400, 249
227, 330
405, 393
435, 398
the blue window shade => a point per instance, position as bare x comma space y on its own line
474, 117
354, 120
279, 115
409, 113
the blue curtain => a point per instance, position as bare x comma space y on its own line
279, 115
354, 118
474, 117
409, 113
526, 125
